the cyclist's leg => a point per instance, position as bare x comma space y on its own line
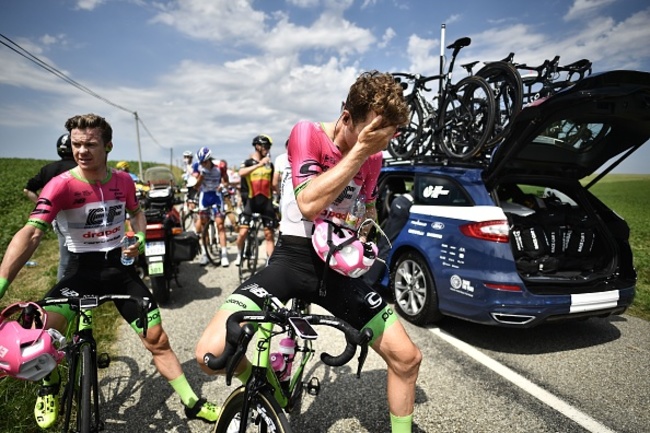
157, 343
357, 303
278, 279
46, 407
270, 224
244, 221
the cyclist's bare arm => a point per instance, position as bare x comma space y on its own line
31, 195
20, 249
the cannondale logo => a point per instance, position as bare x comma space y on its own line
373, 299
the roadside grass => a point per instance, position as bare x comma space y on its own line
629, 195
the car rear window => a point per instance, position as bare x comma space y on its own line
574, 135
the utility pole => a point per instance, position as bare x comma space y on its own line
137, 134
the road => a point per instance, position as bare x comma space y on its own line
589, 376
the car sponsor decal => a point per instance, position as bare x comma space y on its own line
459, 285
452, 256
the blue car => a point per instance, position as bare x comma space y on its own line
518, 241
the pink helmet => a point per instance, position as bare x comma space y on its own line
340, 248
29, 354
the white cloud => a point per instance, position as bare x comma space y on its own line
389, 34
422, 59
88, 5
585, 8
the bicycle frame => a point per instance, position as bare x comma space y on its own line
263, 394
80, 337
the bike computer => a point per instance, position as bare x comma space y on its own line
303, 328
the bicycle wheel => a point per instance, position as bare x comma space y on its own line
87, 397
507, 86
210, 242
466, 119
188, 220
250, 253
265, 414
407, 141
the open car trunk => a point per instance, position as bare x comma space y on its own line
563, 238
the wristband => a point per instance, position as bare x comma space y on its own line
141, 237
4, 285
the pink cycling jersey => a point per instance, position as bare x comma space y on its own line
312, 152
90, 215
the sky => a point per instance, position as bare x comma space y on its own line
217, 73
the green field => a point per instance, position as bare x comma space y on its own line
629, 195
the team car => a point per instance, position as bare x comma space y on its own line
519, 240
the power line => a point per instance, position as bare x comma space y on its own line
32, 58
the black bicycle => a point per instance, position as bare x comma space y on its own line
81, 392
260, 404
507, 86
250, 253
461, 123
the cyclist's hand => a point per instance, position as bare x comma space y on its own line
4, 285
375, 136
140, 243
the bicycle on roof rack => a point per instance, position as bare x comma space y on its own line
459, 125
507, 86
275, 385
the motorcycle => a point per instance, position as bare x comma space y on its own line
166, 244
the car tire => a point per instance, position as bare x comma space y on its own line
416, 298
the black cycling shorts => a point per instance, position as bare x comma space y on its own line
103, 274
295, 271
263, 206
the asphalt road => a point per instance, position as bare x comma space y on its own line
589, 376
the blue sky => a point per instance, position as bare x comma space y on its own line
219, 72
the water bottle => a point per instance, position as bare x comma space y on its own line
127, 241
357, 213
282, 361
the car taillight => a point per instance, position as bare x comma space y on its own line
503, 287
494, 231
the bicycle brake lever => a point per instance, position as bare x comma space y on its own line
363, 353
242, 344
143, 306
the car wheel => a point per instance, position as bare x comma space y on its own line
415, 295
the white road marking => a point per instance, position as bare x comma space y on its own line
542, 395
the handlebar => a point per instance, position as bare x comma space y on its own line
238, 337
89, 302
419, 81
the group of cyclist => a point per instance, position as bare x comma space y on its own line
208, 182
331, 164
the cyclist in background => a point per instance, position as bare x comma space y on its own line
36, 183
257, 173
94, 228
209, 180
331, 165
124, 166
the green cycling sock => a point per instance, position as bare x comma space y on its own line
244, 375
401, 424
184, 391
53, 378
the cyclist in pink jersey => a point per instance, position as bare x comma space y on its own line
331, 165
90, 203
